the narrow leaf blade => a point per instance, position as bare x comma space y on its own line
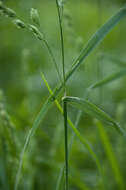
97, 38
109, 79
93, 111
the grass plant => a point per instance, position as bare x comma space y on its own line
82, 104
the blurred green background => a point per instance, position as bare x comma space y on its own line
23, 92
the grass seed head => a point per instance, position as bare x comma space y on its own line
36, 32
19, 23
7, 11
35, 16
1, 5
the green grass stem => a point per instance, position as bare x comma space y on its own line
77, 133
62, 42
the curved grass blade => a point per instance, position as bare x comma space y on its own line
114, 59
109, 79
94, 111
111, 156
36, 123
95, 40
77, 133
118, 61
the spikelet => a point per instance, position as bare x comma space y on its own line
7, 11
36, 32
19, 23
35, 16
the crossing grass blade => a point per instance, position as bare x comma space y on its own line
110, 154
93, 42
97, 38
77, 133
94, 111
31, 132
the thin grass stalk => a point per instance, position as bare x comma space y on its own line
53, 58
45, 41
62, 44
66, 144
60, 15
82, 140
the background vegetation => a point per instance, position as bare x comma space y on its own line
23, 92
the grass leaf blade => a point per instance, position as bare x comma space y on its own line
36, 123
80, 137
97, 38
109, 79
94, 111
